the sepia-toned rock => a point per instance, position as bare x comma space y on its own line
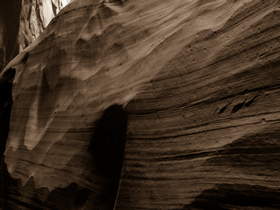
35, 16
137, 105
22, 21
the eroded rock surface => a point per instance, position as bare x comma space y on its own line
35, 16
199, 82
22, 21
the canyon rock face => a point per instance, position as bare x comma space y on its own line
22, 21
190, 88
35, 16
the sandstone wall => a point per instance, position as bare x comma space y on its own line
22, 21
199, 83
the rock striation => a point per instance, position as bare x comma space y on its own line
35, 16
22, 21
191, 86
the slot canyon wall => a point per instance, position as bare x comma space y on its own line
186, 93
35, 16
22, 21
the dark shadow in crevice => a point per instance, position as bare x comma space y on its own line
6, 85
107, 149
237, 107
236, 196
10, 21
251, 101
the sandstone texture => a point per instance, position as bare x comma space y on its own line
35, 16
194, 85
22, 21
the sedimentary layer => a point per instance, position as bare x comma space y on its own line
199, 83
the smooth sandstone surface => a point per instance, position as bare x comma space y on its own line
199, 81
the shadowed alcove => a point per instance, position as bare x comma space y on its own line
107, 149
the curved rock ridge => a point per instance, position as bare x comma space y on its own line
35, 16
199, 81
21, 22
